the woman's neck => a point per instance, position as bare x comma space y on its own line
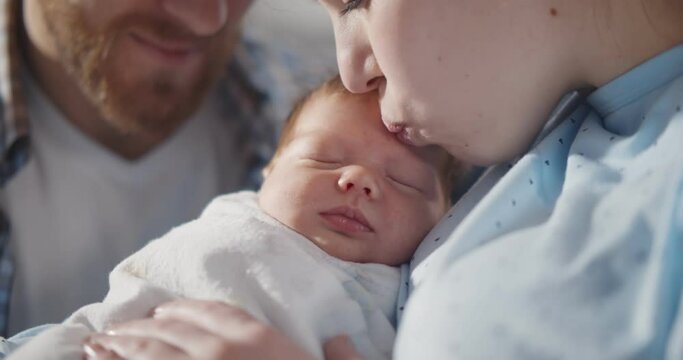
620, 34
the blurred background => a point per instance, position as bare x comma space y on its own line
297, 36
300, 27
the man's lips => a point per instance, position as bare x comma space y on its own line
347, 220
169, 50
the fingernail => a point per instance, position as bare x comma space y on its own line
90, 353
158, 311
92, 350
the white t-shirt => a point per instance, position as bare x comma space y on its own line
63, 254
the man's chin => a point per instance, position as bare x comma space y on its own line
149, 106
150, 118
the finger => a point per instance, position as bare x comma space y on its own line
136, 348
241, 335
96, 352
340, 348
191, 339
214, 316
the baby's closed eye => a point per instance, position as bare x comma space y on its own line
322, 162
404, 182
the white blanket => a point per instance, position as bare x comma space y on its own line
236, 253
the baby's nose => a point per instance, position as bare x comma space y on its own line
359, 179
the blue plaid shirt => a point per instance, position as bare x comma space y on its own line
254, 99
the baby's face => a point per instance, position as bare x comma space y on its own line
351, 187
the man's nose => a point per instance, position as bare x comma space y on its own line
361, 180
202, 17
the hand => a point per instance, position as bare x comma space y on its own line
340, 348
198, 329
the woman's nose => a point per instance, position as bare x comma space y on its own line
359, 180
202, 17
357, 64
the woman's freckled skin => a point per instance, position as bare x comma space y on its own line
553, 12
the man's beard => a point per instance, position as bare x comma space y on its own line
154, 104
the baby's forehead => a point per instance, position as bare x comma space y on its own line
388, 148
352, 123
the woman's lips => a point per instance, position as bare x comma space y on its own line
403, 134
347, 220
405, 138
394, 128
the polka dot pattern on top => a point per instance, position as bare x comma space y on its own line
576, 252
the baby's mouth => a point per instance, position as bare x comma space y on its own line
347, 220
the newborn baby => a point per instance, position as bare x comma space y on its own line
315, 253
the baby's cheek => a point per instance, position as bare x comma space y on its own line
409, 219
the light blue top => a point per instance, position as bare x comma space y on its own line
13, 343
573, 252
